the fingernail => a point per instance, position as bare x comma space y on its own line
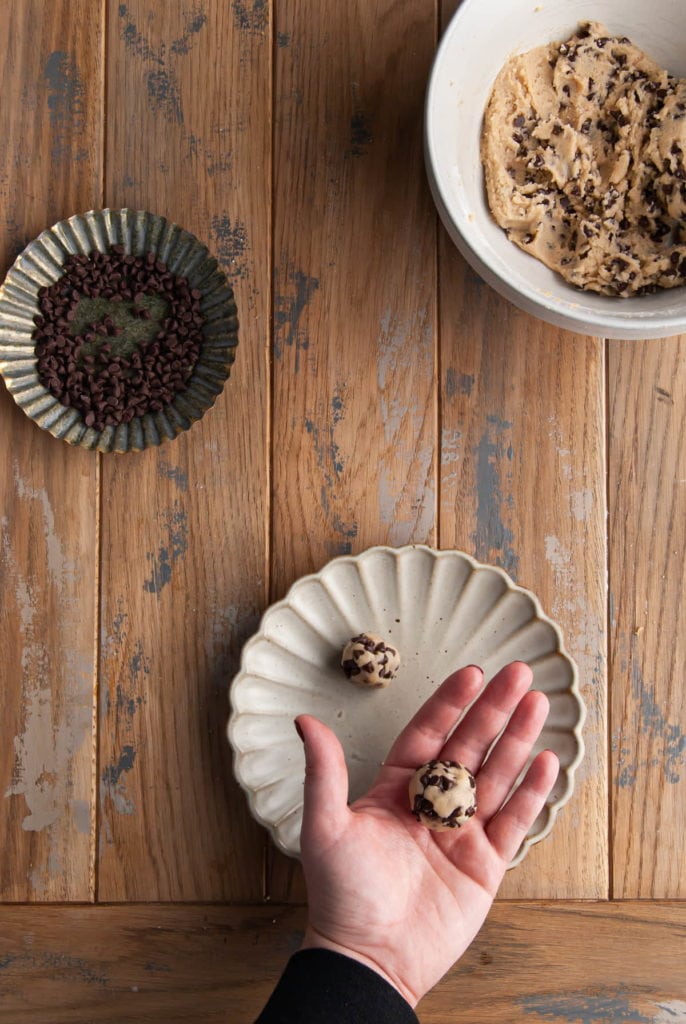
299, 730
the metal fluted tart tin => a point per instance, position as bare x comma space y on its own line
42, 263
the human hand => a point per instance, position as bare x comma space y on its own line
382, 888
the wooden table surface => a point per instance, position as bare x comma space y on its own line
381, 394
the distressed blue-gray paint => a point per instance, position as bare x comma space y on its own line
492, 538
651, 721
287, 313
361, 135
118, 633
458, 383
113, 772
155, 968
57, 965
195, 21
126, 703
135, 41
327, 452
336, 548
251, 17
605, 1007
161, 571
66, 97
163, 561
337, 408
164, 95
627, 776
231, 244
161, 81
174, 473
675, 1009
139, 662
345, 529
331, 464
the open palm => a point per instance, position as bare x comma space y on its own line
384, 889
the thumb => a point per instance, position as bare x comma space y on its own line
325, 810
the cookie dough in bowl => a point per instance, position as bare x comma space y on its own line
476, 45
584, 155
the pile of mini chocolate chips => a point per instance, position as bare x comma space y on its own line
117, 336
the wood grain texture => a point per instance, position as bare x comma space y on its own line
447, 8
522, 486
354, 296
647, 491
184, 527
50, 168
530, 962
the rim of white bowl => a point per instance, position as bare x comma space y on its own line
629, 326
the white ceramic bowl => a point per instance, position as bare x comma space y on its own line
441, 609
476, 44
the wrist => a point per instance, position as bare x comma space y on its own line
314, 939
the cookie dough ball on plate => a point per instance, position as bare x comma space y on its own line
443, 795
370, 661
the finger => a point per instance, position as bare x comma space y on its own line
474, 735
325, 807
509, 756
422, 739
510, 825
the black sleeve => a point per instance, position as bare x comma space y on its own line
321, 987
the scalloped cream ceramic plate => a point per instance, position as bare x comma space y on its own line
442, 610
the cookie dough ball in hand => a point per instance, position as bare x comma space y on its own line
370, 661
443, 795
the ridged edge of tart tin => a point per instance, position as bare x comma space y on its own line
41, 264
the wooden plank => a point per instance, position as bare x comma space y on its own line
530, 962
354, 308
534, 962
184, 527
50, 168
647, 474
522, 486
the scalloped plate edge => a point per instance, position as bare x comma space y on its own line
287, 602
